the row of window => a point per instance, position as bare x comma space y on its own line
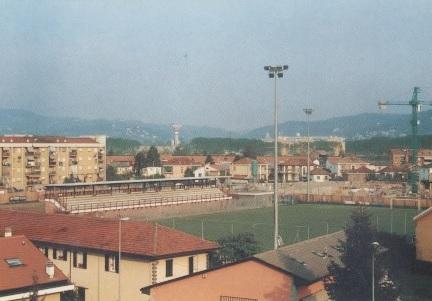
79, 259
169, 268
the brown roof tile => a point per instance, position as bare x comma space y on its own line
34, 263
45, 139
138, 238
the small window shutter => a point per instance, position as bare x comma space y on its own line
55, 253
84, 260
116, 263
74, 259
191, 265
46, 252
65, 255
106, 262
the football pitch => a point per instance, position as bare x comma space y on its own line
296, 222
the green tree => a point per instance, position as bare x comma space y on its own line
234, 248
209, 159
140, 163
352, 280
189, 172
153, 157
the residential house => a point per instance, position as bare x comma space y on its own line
395, 173
25, 271
423, 239
151, 171
206, 171
123, 164
250, 169
340, 165
290, 273
290, 168
86, 250
359, 175
398, 157
176, 166
319, 174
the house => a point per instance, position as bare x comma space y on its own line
24, 271
86, 250
395, 172
319, 174
151, 171
423, 238
250, 169
399, 157
340, 165
294, 272
122, 164
359, 175
206, 171
176, 166
290, 168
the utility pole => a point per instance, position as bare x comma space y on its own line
415, 103
276, 72
308, 112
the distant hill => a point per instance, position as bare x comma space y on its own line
25, 122
359, 126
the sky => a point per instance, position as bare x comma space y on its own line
201, 62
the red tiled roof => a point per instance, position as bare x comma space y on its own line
138, 238
34, 263
183, 160
346, 160
287, 160
116, 159
393, 168
45, 139
320, 172
361, 170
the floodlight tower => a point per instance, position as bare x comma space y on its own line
308, 112
276, 72
415, 104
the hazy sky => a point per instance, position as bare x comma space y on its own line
201, 62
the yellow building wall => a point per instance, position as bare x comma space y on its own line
135, 273
424, 238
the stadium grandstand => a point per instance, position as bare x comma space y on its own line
118, 195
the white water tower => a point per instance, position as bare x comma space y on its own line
176, 131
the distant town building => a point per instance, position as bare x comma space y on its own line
176, 135
122, 164
32, 161
290, 168
25, 271
206, 171
319, 175
86, 249
176, 166
340, 165
151, 171
250, 169
423, 241
399, 157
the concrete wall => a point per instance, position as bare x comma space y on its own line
154, 213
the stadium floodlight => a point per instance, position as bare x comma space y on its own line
308, 112
276, 72
375, 246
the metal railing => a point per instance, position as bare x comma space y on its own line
140, 203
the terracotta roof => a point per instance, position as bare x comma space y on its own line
33, 265
116, 159
361, 170
223, 158
287, 160
346, 160
244, 160
45, 139
394, 168
138, 238
307, 260
183, 160
320, 172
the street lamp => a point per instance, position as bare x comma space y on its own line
121, 219
375, 246
308, 112
276, 72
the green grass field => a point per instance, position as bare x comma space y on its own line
294, 221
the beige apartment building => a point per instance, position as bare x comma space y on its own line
86, 250
29, 162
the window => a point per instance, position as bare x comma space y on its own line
229, 298
168, 268
60, 254
191, 265
111, 263
14, 262
318, 177
79, 260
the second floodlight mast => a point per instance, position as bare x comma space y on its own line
276, 72
415, 103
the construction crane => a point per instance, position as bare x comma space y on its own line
415, 103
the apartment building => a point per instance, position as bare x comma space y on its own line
176, 166
24, 272
29, 162
398, 157
87, 249
340, 165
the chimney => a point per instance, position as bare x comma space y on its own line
49, 268
8, 232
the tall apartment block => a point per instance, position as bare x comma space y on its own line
29, 162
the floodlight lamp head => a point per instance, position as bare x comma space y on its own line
280, 74
271, 75
266, 68
382, 105
285, 67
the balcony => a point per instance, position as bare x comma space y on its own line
73, 154
52, 163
